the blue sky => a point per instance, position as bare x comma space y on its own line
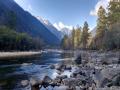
64, 13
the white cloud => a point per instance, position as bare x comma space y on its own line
29, 8
60, 26
103, 3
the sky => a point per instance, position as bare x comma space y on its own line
65, 13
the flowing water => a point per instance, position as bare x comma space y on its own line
13, 71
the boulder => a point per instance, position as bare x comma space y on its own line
47, 79
78, 60
24, 83
52, 66
34, 84
60, 66
68, 67
71, 82
62, 77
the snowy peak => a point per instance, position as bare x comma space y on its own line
43, 20
49, 26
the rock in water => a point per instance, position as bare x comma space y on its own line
62, 77
60, 66
34, 84
24, 83
78, 60
47, 79
52, 67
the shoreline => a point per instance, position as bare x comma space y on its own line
4, 55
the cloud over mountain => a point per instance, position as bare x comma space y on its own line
60, 26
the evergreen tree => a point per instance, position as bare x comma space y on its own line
78, 35
101, 28
65, 42
113, 13
85, 35
112, 37
73, 39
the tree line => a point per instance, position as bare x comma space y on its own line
107, 34
78, 38
10, 40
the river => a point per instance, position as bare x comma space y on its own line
13, 71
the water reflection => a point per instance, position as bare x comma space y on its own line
13, 71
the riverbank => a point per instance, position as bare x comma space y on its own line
89, 71
4, 55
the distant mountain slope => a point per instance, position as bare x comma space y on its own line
93, 32
50, 27
11, 13
66, 31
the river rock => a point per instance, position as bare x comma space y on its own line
34, 84
60, 66
24, 83
78, 60
47, 79
116, 80
68, 67
52, 66
62, 77
72, 82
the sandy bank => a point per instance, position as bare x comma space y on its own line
18, 54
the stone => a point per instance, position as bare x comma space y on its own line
62, 77
47, 79
34, 84
24, 83
52, 66
68, 67
60, 66
78, 60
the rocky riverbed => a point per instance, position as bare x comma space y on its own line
90, 70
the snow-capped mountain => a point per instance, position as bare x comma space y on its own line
93, 32
66, 31
48, 25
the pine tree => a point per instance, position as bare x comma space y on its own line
78, 35
65, 42
73, 38
85, 35
113, 13
113, 21
101, 28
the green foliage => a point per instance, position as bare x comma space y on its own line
11, 20
85, 35
11, 40
76, 39
65, 42
101, 28
108, 28
107, 35
113, 13
78, 36
112, 37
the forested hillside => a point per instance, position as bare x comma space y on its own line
14, 17
11, 40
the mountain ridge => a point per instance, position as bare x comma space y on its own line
25, 22
50, 26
